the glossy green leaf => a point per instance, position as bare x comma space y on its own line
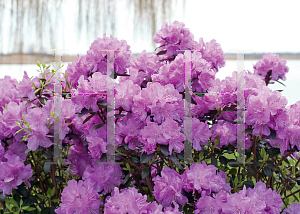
145, 157
145, 173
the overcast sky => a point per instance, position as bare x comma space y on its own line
253, 26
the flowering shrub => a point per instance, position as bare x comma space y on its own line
151, 174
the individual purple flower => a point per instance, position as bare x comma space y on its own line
171, 132
103, 177
294, 209
79, 198
207, 205
146, 63
154, 208
150, 135
79, 159
226, 131
199, 134
175, 210
19, 149
25, 88
10, 115
124, 94
77, 68
271, 62
12, 173
128, 131
9, 92
97, 146
168, 188
39, 137
126, 201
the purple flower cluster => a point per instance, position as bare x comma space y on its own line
142, 68
175, 71
103, 177
226, 131
212, 52
79, 198
271, 62
203, 179
161, 101
294, 209
96, 59
13, 171
257, 200
130, 201
200, 133
174, 37
168, 187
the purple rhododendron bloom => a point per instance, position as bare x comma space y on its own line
294, 209
168, 188
271, 198
25, 88
202, 177
240, 203
79, 198
98, 55
126, 201
200, 134
174, 37
38, 138
226, 131
103, 177
13, 172
124, 94
271, 62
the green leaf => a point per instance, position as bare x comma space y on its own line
21, 202
84, 111
175, 160
13, 201
263, 153
273, 152
273, 134
145, 157
88, 118
55, 200
267, 171
233, 171
28, 208
214, 161
97, 126
281, 83
50, 192
41, 196
60, 179
217, 139
134, 159
145, 173
164, 149
38, 63
251, 171
119, 115
223, 160
249, 184
47, 168
248, 130
20, 130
